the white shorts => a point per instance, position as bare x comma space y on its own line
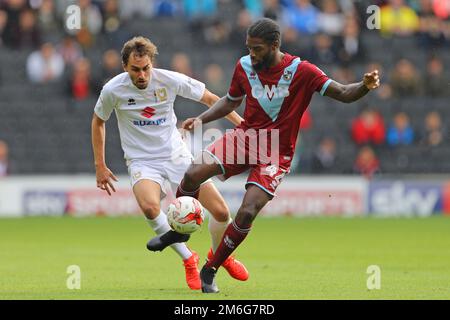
167, 173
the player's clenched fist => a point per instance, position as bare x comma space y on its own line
104, 176
190, 123
372, 80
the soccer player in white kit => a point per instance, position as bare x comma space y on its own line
142, 98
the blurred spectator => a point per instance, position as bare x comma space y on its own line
182, 64
325, 157
27, 35
398, 19
350, 49
45, 65
366, 162
441, 8
111, 18
111, 67
323, 51
198, 9
81, 80
48, 21
400, 132
3, 20
432, 30
215, 79
436, 81
302, 16
272, 9
405, 79
291, 43
91, 23
254, 7
344, 75
165, 8
113, 25
238, 33
4, 165
13, 9
434, 132
368, 128
216, 33
70, 50
136, 8
330, 20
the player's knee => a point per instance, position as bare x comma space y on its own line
221, 213
151, 209
190, 177
246, 214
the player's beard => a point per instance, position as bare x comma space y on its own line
265, 63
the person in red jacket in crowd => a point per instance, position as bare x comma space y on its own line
368, 128
366, 163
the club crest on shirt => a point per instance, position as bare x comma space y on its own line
137, 175
161, 94
287, 75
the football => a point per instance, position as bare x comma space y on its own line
185, 215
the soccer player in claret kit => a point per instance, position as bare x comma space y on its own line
142, 98
277, 88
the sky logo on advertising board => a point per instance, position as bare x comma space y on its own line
406, 199
44, 202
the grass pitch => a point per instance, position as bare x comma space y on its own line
288, 258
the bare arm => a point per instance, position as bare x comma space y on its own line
220, 109
354, 91
103, 174
209, 99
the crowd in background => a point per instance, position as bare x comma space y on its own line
326, 32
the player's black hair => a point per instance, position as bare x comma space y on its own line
265, 29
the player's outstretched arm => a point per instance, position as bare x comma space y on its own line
220, 109
102, 172
351, 92
209, 99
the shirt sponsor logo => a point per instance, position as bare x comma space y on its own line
271, 92
143, 123
148, 112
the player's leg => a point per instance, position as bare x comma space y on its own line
176, 172
196, 174
219, 220
254, 200
148, 195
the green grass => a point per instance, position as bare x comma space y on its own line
288, 258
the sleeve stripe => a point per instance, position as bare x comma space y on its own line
234, 98
325, 86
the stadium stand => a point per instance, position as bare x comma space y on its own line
47, 131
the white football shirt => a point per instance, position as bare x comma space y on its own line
146, 119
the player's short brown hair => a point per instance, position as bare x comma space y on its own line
140, 46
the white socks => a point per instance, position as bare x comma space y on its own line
160, 225
216, 229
